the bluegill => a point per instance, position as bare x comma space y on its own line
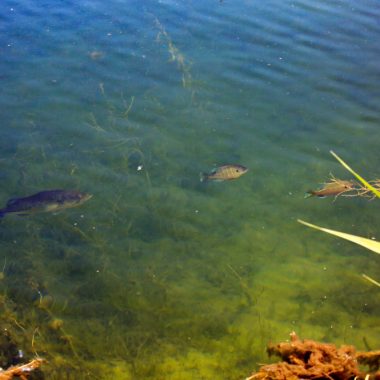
335, 188
224, 172
45, 201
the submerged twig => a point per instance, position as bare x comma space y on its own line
242, 283
21, 371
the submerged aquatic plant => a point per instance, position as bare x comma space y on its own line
373, 246
360, 178
175, 55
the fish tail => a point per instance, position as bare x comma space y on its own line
203, 176
309, 194
2, 214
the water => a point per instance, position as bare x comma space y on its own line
159, 276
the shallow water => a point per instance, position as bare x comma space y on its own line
160, 276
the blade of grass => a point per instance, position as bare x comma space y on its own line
361, 179
371, 280
374, 246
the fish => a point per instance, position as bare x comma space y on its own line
333, 188
96, 54
45, 201
224, 173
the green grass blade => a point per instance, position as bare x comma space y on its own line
372, 245
361, 179
371, 280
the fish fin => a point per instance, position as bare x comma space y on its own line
203, 176
312, 193
12, 201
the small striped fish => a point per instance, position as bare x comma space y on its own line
333, 188
224, 172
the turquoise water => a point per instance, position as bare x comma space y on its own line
160, 276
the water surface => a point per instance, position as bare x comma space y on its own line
160, 276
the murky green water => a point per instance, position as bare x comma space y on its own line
160, 276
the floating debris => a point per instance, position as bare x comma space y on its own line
307, 359
20, 371
224, 173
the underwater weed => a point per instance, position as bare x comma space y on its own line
2, 273
128, 107
175, 54
372, 245
361, 179
371, 280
